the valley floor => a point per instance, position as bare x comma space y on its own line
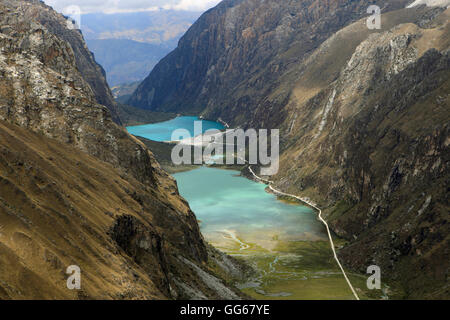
295, 267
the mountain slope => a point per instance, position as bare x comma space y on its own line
61, 207
57, 206
77, 189
92, 72
372, 147
129, 45
236, 52
364, 117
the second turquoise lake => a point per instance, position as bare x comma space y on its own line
162, 131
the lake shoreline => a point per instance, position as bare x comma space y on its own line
181, 125
257, 257
289, 259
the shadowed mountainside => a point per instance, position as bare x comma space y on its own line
232, 58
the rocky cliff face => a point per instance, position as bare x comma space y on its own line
85, 62
78, 189
363, 116
372, 147
44, 90
229, 62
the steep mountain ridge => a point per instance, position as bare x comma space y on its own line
234, 55
364, 117
85, 62
372, 147
76, 188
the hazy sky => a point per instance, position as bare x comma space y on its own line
114, 6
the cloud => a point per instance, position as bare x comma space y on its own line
193, 5
117, 6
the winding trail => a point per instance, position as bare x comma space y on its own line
320, 218
270, 183
224, 123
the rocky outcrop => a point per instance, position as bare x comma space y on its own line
365, 146
76, 188
57, 25
375, 158
43, 89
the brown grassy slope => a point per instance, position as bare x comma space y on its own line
61, 207
57, 205
84, 204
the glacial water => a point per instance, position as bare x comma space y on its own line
226, 202
283, 241
162, 131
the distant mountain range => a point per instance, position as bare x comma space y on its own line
126, 61
156, 27
128, 45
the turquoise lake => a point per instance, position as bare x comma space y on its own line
284, 242
226, 203
162, 131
